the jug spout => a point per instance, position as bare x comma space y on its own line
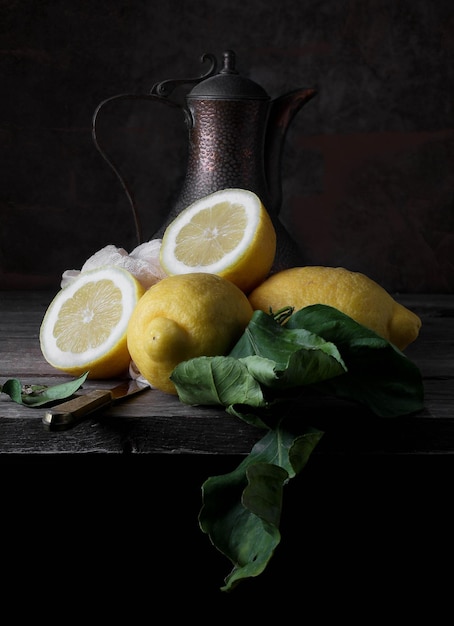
282, 111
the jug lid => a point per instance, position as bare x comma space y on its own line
228, 84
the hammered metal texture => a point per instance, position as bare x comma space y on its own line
226, 149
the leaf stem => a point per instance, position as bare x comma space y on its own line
282, 315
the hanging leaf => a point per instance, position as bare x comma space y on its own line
241, 510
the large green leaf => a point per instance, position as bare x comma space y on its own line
267, 338
216, 380
379, 375
241, 510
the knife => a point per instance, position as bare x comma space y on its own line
69, 413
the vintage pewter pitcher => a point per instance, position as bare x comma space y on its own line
236, 135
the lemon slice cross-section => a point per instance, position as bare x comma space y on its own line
228, 233
84, 327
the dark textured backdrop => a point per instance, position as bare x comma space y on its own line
368, 166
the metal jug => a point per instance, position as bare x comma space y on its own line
236, 135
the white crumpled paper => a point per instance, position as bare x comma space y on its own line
142, 262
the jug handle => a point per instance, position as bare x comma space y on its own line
127, 189
158, 93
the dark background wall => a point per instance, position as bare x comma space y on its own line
368, 164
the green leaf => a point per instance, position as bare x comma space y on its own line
267, 358
317, 351
303, 367
216, 380
39, 395
13, 388
379, 375
254, 416
283, 357
241, 510
266, 338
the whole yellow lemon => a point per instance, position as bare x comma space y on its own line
353, 293
182, 317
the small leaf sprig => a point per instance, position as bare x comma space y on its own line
39, 395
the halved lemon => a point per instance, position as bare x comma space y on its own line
228, 233
84, 327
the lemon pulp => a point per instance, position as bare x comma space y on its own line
87, 319
211, 235
228, 233
84, 327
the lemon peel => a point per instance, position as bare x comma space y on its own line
181, 317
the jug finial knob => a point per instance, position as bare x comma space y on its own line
229, 63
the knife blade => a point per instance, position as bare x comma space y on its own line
69, 413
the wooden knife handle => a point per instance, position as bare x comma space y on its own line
73, 411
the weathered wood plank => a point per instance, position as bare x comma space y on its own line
155, 423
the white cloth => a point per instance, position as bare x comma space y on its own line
142, 262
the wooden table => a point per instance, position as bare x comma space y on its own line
156, 423
127, 482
